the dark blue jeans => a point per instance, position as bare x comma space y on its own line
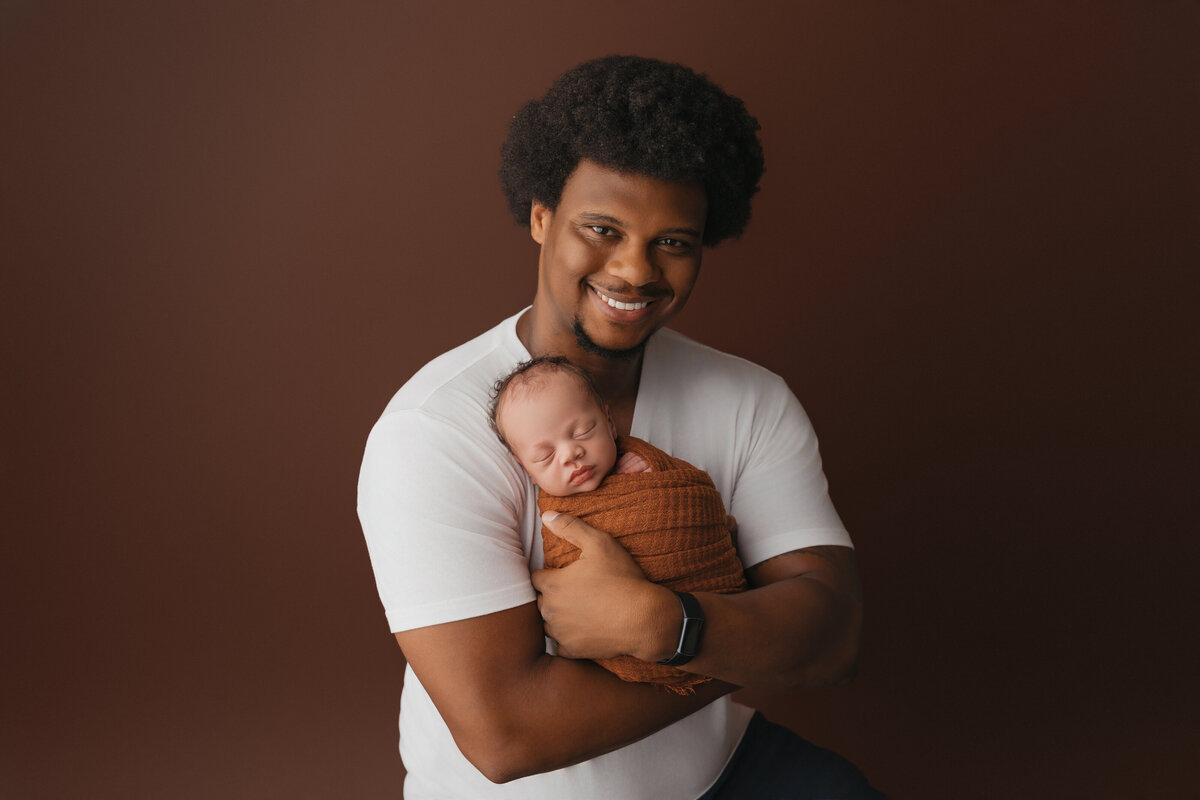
772, 763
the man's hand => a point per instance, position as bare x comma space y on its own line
601, 606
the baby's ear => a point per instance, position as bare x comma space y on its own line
612, 426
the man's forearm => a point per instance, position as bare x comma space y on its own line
514, 710
585, 716
798, 628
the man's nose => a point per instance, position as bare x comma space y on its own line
633, 264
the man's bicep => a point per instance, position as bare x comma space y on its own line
444, 533
781, 498
833, 565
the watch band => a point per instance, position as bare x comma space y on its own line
689, 633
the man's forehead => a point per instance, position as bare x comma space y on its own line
605, 192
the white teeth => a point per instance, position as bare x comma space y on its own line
620, 305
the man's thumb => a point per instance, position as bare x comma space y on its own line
566, 527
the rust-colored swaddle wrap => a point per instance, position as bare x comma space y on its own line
673, 522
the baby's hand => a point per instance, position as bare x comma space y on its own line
631, 462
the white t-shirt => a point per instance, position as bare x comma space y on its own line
451, 525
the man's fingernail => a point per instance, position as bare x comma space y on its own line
549, 516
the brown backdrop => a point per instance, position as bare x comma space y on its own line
231, 231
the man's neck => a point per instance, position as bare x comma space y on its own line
617, 379
618, 384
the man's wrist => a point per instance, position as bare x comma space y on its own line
690, 632
661, 618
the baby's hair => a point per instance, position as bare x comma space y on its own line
528, 372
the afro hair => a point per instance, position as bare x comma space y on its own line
642, 116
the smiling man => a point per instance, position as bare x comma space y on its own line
620, 254
624, 172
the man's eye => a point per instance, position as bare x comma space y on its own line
602, 230
675, 244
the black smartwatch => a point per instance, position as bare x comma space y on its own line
689, 634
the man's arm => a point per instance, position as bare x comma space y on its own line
440, 520
797, 627
515, 710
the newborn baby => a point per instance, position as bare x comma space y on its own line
666, 512
553, 421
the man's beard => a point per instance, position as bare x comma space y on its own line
588, 346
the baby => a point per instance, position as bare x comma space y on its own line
550, 415
664, 511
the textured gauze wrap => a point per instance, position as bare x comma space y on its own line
673, 523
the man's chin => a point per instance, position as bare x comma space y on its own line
588, 345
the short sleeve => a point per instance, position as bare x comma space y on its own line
781, 499
442, 513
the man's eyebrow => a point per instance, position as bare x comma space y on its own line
592, 217
687, 231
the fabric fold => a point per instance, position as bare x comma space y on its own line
673, 522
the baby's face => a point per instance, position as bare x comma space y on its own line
559, 433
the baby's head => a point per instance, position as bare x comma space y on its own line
550, 415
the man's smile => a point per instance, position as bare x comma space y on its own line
613, 302
623, 309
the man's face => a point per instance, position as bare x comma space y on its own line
619, 258
563, 438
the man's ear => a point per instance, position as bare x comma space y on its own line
539, 221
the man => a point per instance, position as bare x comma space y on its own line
625, 171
